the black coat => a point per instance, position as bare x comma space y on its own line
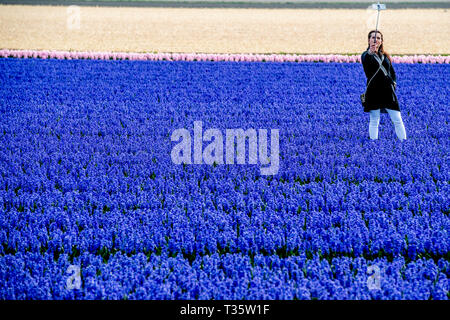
381, 92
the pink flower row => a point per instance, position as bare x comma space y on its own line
45, 54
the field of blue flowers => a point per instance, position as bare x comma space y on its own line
87, 180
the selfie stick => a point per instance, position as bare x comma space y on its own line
379, 7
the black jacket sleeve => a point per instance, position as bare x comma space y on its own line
369, 63
392, 72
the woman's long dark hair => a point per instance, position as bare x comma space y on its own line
381, 48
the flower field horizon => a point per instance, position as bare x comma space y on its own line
87, 182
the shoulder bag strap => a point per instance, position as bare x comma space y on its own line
380, 61
379, 67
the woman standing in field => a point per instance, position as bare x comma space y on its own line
381, 85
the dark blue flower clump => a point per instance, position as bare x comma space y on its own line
87, 180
